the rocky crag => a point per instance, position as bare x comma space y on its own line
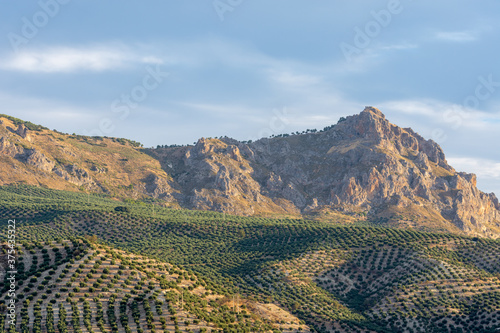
363, 167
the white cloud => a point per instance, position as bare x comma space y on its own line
428, 108
444, 113
373, 56
152, 60
50, 113
400, 46
291, 79
456, 36
71, 59
484, 168
222, 110
115, 55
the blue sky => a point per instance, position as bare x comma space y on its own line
165, 72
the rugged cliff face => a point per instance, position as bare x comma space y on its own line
363, 167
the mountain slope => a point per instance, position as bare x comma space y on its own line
364, 165
34, 155
102, 289
362, 168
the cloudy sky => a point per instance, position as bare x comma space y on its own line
165, 72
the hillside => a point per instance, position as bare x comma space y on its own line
92, 288
363, 167
34, 155
261, 274
99, 288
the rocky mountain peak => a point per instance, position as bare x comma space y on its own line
370, 124
373, 111
362, 165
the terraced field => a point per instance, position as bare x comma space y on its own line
88, 268
83, 287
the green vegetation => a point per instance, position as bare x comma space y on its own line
28, 124
92, 140
86, 265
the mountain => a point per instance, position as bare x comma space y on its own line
364, 165
34, 155
363, 168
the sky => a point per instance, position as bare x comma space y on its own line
169, 72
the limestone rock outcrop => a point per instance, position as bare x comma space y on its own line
363, 163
